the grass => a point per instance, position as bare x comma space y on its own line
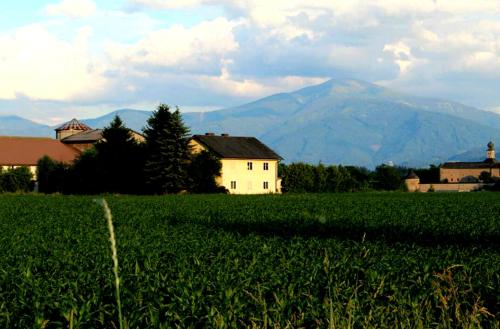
114, 255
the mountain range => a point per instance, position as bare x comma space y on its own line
339, 121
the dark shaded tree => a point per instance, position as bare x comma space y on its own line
203, 172
387, 178
359, 178
485, 177
168, 152
298, 178
19, 179
120, 159
51, 175
427, 175
85, 176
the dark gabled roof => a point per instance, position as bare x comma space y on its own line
87, 136
74, 124
471, 165
412, 175
237, 147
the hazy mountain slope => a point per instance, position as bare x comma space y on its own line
339, 121
134, 119
17, 126
354, 122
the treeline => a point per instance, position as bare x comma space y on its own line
162, 164
301, 177
18, 179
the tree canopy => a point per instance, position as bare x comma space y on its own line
168, 152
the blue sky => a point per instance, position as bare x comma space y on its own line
82, 58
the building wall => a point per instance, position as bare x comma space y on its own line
460, 187
61, 134
138, 137
247, 181
412, 184
81, 146
457, 175
31, 168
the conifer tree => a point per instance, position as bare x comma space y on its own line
167, 150
119, 157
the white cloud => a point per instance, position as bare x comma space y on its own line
72, 8
180, 48
402, 56
36, 64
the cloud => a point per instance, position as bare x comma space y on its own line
201, 48
36, 64
72, 8
218, 53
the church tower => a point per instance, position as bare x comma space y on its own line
490, 153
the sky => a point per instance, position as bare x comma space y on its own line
84, 58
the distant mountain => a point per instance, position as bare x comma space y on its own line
134, 119
355, 122
339, 121
14, 125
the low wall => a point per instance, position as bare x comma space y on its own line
451, 187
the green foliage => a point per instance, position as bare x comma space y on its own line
301, 177
120, 159
52, 175
85, 176
427, 175
168, 152
204, 168
297, 261
485, 177
388, 178
16, 180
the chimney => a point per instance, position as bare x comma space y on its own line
209, 134
225, 135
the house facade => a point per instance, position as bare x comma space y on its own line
248, 166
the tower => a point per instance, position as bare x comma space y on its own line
70, 128
412, 182
490, 153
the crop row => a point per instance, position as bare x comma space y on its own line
233, 262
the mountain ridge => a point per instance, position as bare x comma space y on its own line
345, 121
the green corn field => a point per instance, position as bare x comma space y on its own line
385, 260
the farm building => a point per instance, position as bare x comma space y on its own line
72, 138
248, 166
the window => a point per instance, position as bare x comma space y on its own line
249, 166
266, 166
233, 185
266, 185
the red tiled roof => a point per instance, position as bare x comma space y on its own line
26, 151
73, 125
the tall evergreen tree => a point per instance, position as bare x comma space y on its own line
119, 157
168, 153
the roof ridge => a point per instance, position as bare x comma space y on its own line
28, 137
